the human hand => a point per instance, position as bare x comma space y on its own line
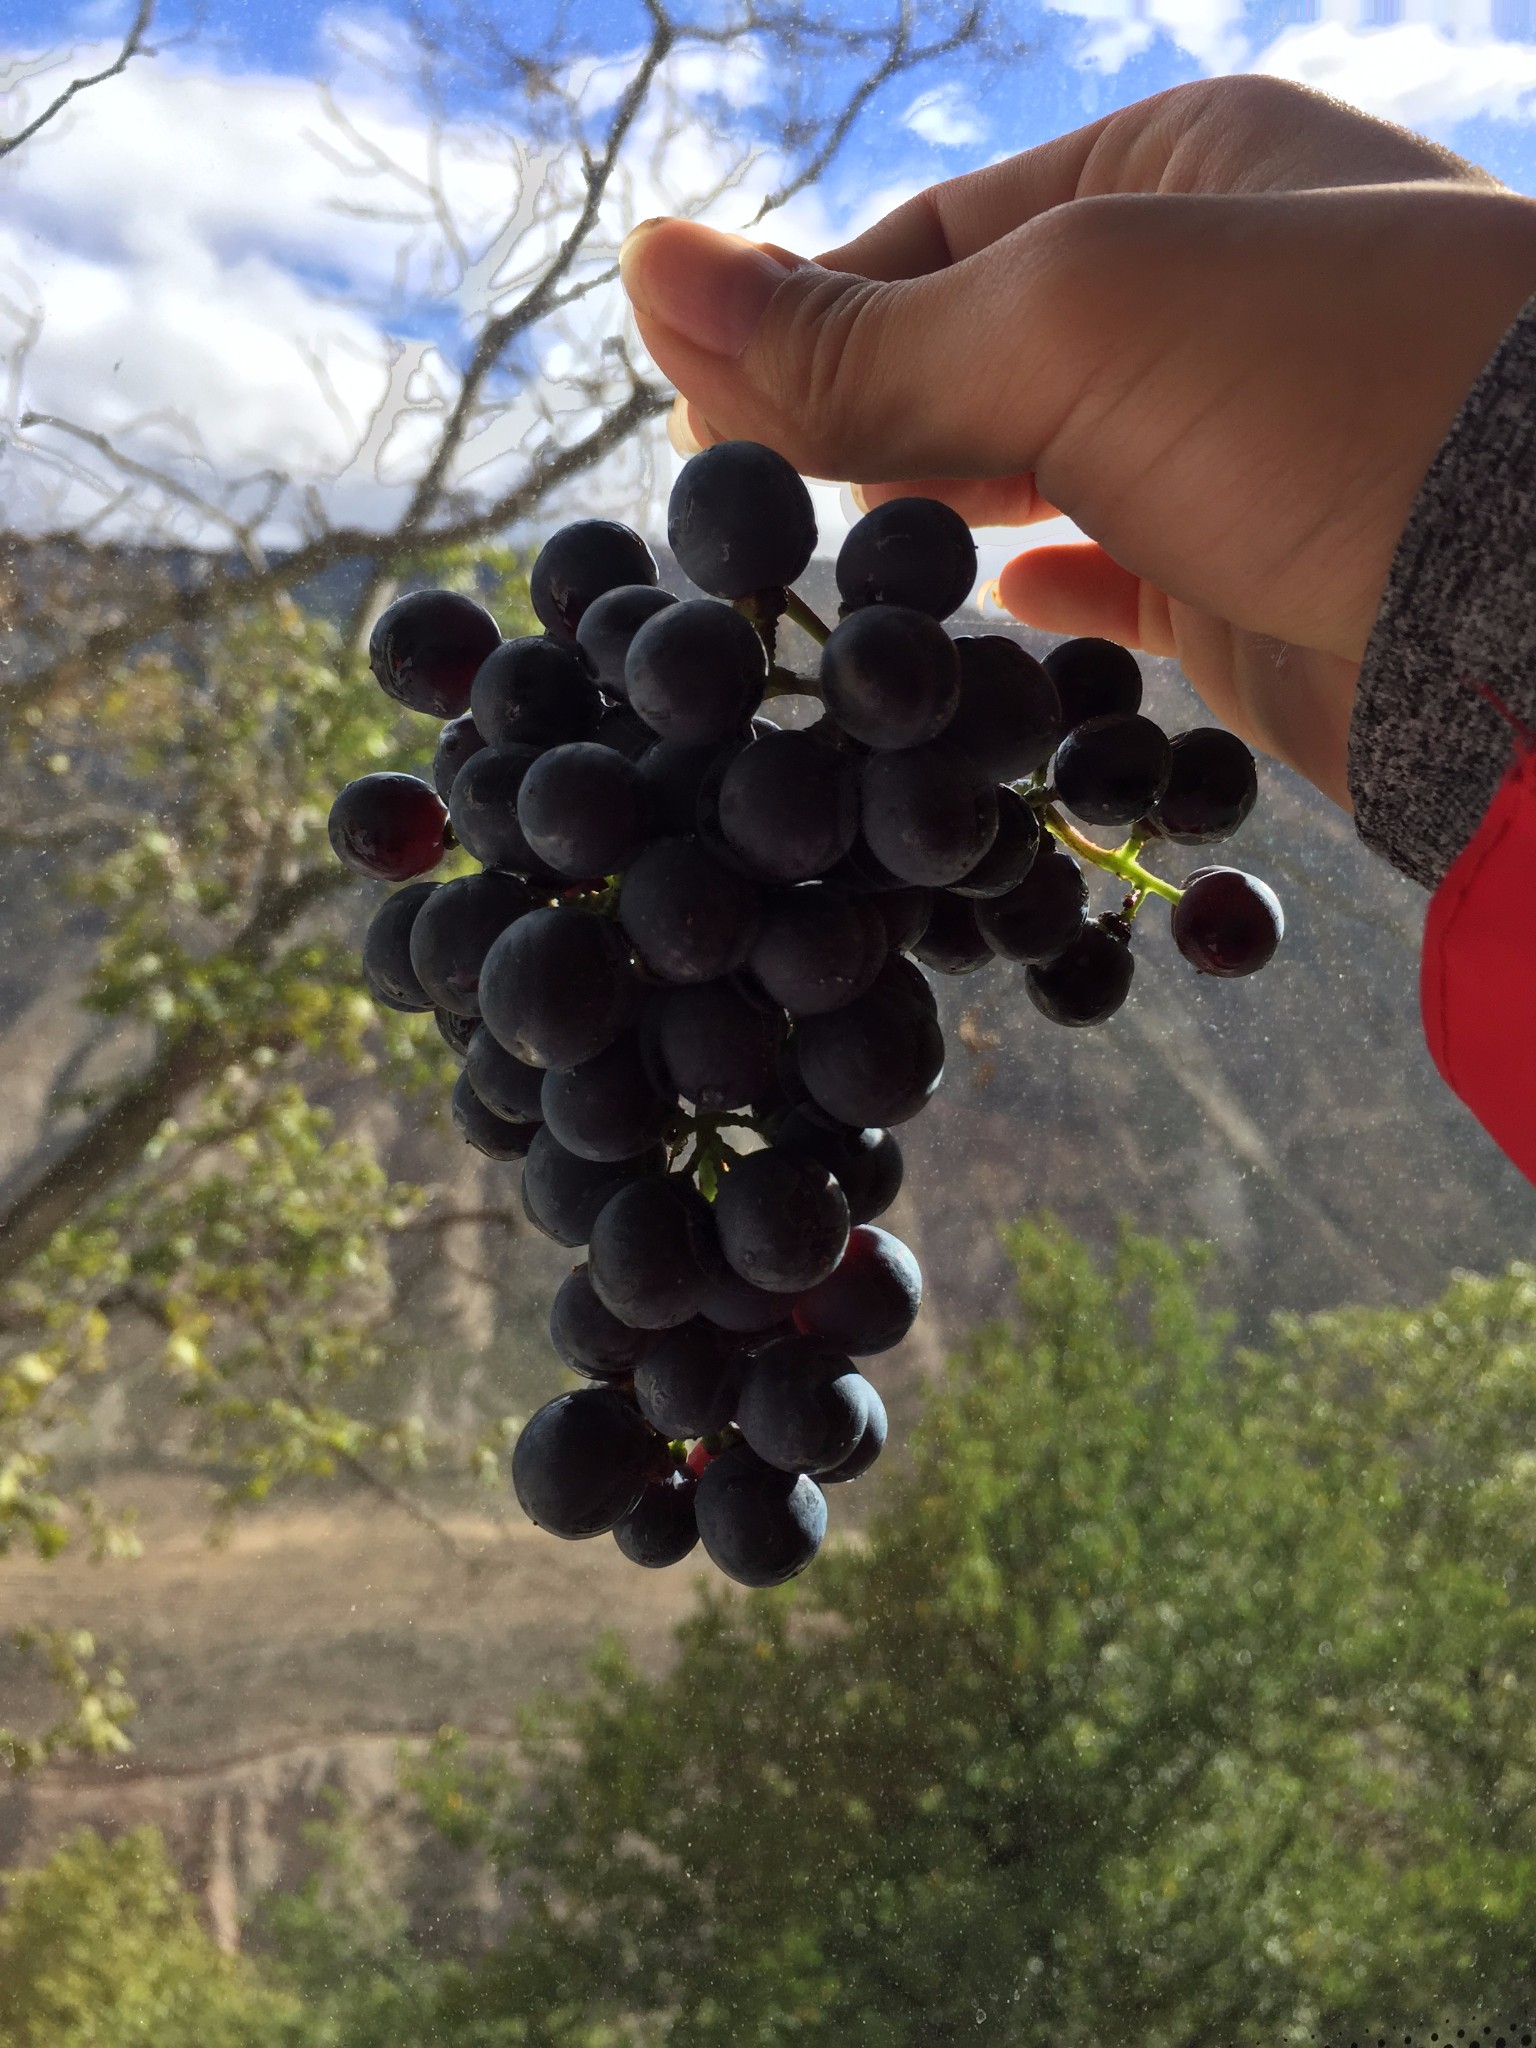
1225, 330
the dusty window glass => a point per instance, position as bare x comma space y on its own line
1166, 1678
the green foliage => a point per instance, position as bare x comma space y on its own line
100, 1948
97, 1703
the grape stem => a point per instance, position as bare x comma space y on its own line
796, 608
1118, 860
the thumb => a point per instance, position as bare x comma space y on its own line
849, 377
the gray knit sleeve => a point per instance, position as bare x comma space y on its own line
1426, 752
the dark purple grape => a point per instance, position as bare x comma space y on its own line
1211, 789
589, 1338
606, 1108
425, 648
388, 827
455, 929
890, 676
509, 1086
802, 1406
480, 1126
687, 1381
861, 874
902, 981
695, 672
456, 1032
1227, 923
625, 731
582, 1461
789, 806
581, 563
904, 913
644, 1255
459, 741
1088, 980
758, 1526
483, 810
951, 943
818, 948
675, 775
688, 918
558, 987
661, 1528
734, 1304
908, 551
387, 968
713, 1043
1012, 853
608, 625
740, 520
1094, 679
1008, 720
929, 814
1043, 915
870, 1302
1108, 771
534, 693
584, 810
563, 1196
877, 1062
782, 1219
866, 1165
866, 1450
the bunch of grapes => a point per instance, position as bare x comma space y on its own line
684, 982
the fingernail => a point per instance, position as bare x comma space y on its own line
712, 289
856, 492
680, 429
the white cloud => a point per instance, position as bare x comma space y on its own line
1211, 31
946, 118
1410, 72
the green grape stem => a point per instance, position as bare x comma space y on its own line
796, 608
1118, 860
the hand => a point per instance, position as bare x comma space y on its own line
1225, 330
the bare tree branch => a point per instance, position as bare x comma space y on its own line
133, 43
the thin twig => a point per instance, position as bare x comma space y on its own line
132, 44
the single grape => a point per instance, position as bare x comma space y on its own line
740, 520
582, 1461
951, 943
425, 648
1008, 720
1012, 853
387, 968
866, 1450
802, 1406
584, 810
758, 1526
581, 563
454, 930
695, 672
1089, 979
734, 1304
558, 988
1211, 789
1227, 923
644, 1252
480, 1126
534, 693
589, 1338
908, 551
818, 948
928, 813
789, 806
625, 731
877, 1062
870, 1302
688, 918
688, 1379
1094, 679
389, 827
713, 1043
606, 1108
782, 1219
608, 625
1108, 771
459, 741
563, 1196
483, 810
455, 1031
675, 775
866, 1165
905, 913
661, 1528
1043, 915
509, 1086
902, 981
890, 676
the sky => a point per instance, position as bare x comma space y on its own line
209, 260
